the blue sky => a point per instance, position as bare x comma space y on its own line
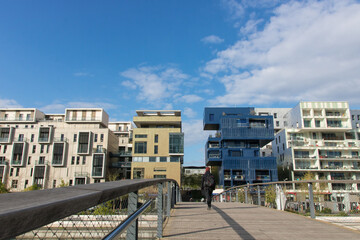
184, 55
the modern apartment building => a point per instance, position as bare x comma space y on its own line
45, 149
235, 147
120, 161
319, 138
158, 145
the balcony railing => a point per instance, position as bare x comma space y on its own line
41, 162
97, 171
81, 174
214, 155
3, 162
83, 119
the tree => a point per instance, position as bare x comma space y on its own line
270, 195
63, 184
3, 189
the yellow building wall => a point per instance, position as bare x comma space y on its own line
163, 141
170, 169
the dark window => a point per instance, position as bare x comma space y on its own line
77, 160
156, 140
83, 146
140, 147
72, 160
75, 137
58, 153
34, 149
11, 171
163, 159
41, 148
17, 172
176, 143
95, 137
32, 137
84, 160
152, 159
101, 137
140, 136
29, 160
155, 149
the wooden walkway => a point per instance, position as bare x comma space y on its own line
241, 221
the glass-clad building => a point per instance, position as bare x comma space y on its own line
235, 146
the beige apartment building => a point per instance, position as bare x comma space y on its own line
46, 149
158, 145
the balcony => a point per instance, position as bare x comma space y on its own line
263, 177
59, 139
81, 174
97, 172
214, 145
41, 162
3, 161
99, 150
214, 155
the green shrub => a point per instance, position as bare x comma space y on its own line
326, 211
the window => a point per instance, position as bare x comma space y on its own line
138, 173
41, 148
307, 123
101, 137
156, 140
140, 147
11, 171
72, 160
95, 138
317, 123
34, 149
17, 172
29, 160
140, 136
70, 182
152, 159
44, 134
283, 146
84, 160
175, 159
5, 148
62, 137
14, 183
235, 153
32, 137
275, 115
159, 176
77, 160
31, 172
211, 117
54, 183
75, 137
98, 165
17, 155
58, 152
163, 159
84, 144
21, 137
41, 160
352, 117
277, 123
279, 139
26, 183
176, 143
155, 149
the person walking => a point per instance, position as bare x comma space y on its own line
207, 186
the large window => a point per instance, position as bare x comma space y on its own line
140, 147
18, 152
58, 154
44, 134
84, 142
98, 165
176, 143
4, 134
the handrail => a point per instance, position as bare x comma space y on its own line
34, 209
288, 182
126, 223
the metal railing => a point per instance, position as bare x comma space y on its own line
90, 211
329, 200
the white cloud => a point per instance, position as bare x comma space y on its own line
9, 103
193, 131
154, 83
235, 8
212, 39
60, 107
191, 98
306, 51
251, 26
189, 112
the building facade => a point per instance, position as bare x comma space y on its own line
235, 147
120, 161
47, 149
320, 139
158, 145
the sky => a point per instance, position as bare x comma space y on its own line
184, 55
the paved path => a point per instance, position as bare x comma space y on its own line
241, 221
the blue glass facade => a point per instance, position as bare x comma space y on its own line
235, 147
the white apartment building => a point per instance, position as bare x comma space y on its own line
319, 138
121, 160
45, 149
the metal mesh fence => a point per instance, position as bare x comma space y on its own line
98, 221
335, 203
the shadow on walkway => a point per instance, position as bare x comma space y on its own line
237, 228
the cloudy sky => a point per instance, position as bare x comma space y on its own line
184, 55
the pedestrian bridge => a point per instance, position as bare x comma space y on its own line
231, 220
150, 209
